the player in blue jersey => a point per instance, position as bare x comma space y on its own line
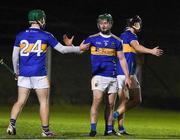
105, 48
29, 57
132, 97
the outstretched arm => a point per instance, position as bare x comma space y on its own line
71, 49
66, 49
140, 48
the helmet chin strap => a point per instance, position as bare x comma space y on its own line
41, 24
137, 28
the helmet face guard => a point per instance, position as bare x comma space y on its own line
37, 16
106, 17
135, 22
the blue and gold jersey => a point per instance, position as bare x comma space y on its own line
33, 45
129, 52
103, 54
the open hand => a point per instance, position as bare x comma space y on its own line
156, 51
84, 47
67, 41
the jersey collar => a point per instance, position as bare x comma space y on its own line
105, 36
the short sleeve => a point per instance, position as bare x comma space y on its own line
132, 37
87, 40
119, 45
52, 41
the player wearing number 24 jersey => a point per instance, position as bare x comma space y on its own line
29, 58
33, 45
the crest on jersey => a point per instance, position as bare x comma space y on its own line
113, 44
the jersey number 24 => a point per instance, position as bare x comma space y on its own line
27, 47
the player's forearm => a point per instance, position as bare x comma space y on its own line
67, 49
124, 66
142, 49
15, 59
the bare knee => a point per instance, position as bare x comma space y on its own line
110, 105
96, 101
95, 105
20, 104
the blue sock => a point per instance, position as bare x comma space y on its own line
45, 128
121, 129
115, 115
13, 122
93, 126
109, 128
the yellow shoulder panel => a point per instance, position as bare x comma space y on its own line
116, 37
94, 35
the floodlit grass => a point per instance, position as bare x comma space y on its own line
72, 122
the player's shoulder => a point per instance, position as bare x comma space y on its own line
127, 33
47, 34
116, 37
21, 33
94, 35
44, 32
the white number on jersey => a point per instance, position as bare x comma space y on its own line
36, 48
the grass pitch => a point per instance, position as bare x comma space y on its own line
73, 122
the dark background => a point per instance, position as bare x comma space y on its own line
71, 73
